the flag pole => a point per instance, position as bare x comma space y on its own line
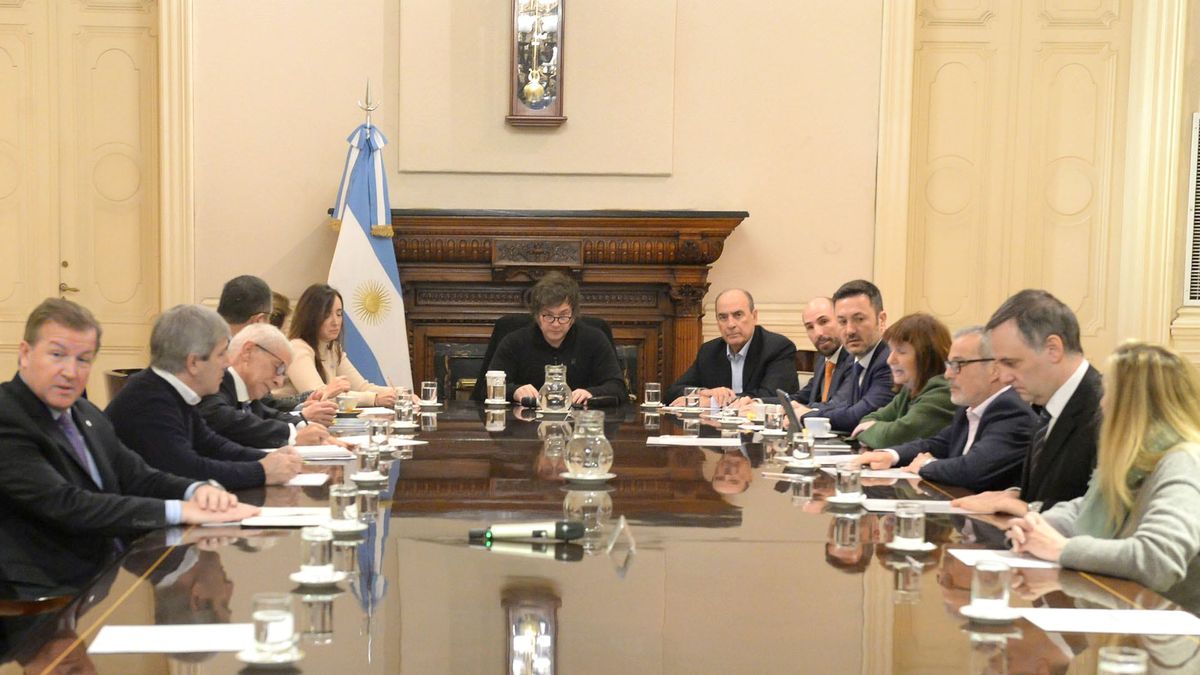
369, 106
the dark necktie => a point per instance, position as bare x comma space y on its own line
78, 445
1039, 439
856, 373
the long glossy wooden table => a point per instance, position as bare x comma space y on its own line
761, 581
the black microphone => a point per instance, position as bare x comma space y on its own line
601, 402
528, 401
563, 530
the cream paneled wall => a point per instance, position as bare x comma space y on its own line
1017, 158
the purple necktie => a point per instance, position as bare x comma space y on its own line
67, 425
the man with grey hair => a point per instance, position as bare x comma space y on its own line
984, 445
155, 413
259, 355
1035, 341
746, 360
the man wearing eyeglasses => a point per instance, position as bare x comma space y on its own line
558, 338
155, 413
984, 445
259, 357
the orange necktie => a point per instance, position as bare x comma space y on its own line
829, 366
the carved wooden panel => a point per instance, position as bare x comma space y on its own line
19, 138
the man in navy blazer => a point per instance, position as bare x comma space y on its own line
858, 306
68, 487
983, 447
746, 360
155, 413
832, 363
260, 355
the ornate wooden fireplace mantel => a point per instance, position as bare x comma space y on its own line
646, 272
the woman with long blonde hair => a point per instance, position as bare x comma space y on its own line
1138, 519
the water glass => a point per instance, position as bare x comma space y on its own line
494, 420
496, 391
691, 426
989, 585
274, 623
910, 525
342, 502
691, 397
368, 460
1124, 660
847, 530
653, 394
403, 405
907, 584
318, 615
848, 481
651, 421
802, 490
429, 421
989, 654
316, 545
345, 555
773, 417
379, 430
368, 504
429, 392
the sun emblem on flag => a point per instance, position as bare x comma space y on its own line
372, 302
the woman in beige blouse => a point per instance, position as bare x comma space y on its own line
317, 329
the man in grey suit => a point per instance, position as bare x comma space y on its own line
830, 368
984, 445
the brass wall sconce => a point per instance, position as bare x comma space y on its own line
536, 98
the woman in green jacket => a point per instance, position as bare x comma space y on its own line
921, 407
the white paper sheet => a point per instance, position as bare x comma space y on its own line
216, 637
313, 452
972, 556
695, 441
290, 516
931, 506
308, 480
363, 440
833, 460
1119, 621
880, 473
375, 410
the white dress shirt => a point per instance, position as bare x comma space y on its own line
737, 362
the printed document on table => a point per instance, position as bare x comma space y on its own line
309, 480
212, 637
881, 473
695, 441
394, 440
288, 516
312, 452
374, 411
973, 556
1118, 621
931, 506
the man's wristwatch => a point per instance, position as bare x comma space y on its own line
215, 484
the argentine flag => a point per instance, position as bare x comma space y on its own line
364, 266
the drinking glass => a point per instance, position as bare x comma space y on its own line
403, 405
368, 504
494, 420
368, 460
318, 615
316, 545
380, 430
848, 481
345, 555
989, 585
691, 426
496, 391
989, 654
802, 490
1123, 660
429, 392
773, 417
274, 623
691, 397
429, 421
341, 503
651, 421
910, 525
846, 530
653, 394
907, 580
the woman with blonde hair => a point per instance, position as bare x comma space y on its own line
1138, 517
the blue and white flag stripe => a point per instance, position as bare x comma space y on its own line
364, 267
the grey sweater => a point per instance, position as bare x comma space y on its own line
1159, 542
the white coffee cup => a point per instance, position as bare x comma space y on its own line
818, 426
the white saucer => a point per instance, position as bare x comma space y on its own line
345, 525
652, 405
691, 412
1007, 615
270, 660
798, 463
368, 477
925, 547
750, 427
824, 437
841, 499
405, 425
598, 478
494, 401
305, 580
772, 432
401, 442
430, 404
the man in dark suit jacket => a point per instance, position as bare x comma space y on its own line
858, 306
983, 447
832, 363
746, 360
68, 486
1035, 340
155, 413
260, 354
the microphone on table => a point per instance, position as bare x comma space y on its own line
528, 401
563, 530
562, 551
601, 402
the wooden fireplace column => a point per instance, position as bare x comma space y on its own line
646, 272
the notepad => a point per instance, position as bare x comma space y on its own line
931, 506
309, 480
695, 441
1119, 621
317, 452
376, 410
289, 516
210, 637
394, 441
973, 556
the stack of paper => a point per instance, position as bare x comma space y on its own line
200, 638
1117, 621
317, 452
288, 516
974, 556
931, 506
308, 480
695, 441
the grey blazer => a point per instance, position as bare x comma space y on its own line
1159, 542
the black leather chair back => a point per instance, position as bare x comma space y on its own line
511, 322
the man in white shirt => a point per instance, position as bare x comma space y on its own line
1035, 341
